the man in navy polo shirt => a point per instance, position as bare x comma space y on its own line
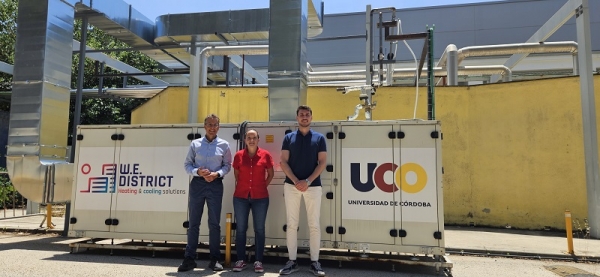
303, 158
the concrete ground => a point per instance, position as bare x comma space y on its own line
472, 250
458, 239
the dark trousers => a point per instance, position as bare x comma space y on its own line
212, 194
242, 208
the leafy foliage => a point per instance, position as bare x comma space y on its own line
6, 189
8, 37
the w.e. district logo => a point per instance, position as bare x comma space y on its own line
100, 184
130, 180
375, 177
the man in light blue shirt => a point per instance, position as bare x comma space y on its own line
208, 160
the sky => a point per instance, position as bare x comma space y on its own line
155, 8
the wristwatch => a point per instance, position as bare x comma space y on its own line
307, 182
218, 175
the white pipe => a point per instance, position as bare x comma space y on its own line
452, 69
519, 48
509, 49
342, 75
227, 51
193, 86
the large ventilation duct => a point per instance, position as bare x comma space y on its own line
287, 58
37, 139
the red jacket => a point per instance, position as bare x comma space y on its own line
252, 174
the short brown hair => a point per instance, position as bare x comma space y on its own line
213, 116
303, 107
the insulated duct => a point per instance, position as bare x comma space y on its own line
227, 51
287, 58
452, 58
342, 75
37, 139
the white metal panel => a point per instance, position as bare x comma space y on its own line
418, 206
94, 187
152, 188
327, 177
366, 213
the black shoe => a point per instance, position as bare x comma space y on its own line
187, 265
215, 266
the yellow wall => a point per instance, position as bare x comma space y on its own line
512, 153
230, 104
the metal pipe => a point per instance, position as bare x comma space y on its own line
49, 216
430, 77
569, 228
227, 50
369, 64
242, 81
77, 113
508, 49
588, 114
452, 65
78, 97
518, 48
101, 78
380, 56
341, 75
369, 42
228, 217
575, 65
195, 79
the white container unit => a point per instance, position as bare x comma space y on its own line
391, 188
382, 188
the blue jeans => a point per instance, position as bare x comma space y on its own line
242, 207
212, 194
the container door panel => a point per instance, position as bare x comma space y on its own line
327, 176
152, 185
417, 176
94, 189
367, 184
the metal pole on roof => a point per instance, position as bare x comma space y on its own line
194, 84
77, 113
369, 45
430, 76
588, 111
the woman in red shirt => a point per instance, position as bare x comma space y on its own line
253, 170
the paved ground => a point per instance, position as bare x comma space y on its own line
26, 254
465, 239
488, 252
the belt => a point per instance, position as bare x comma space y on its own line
202, 178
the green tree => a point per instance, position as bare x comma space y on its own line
6, 189
8, 37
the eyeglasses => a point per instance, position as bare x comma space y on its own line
210, 125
